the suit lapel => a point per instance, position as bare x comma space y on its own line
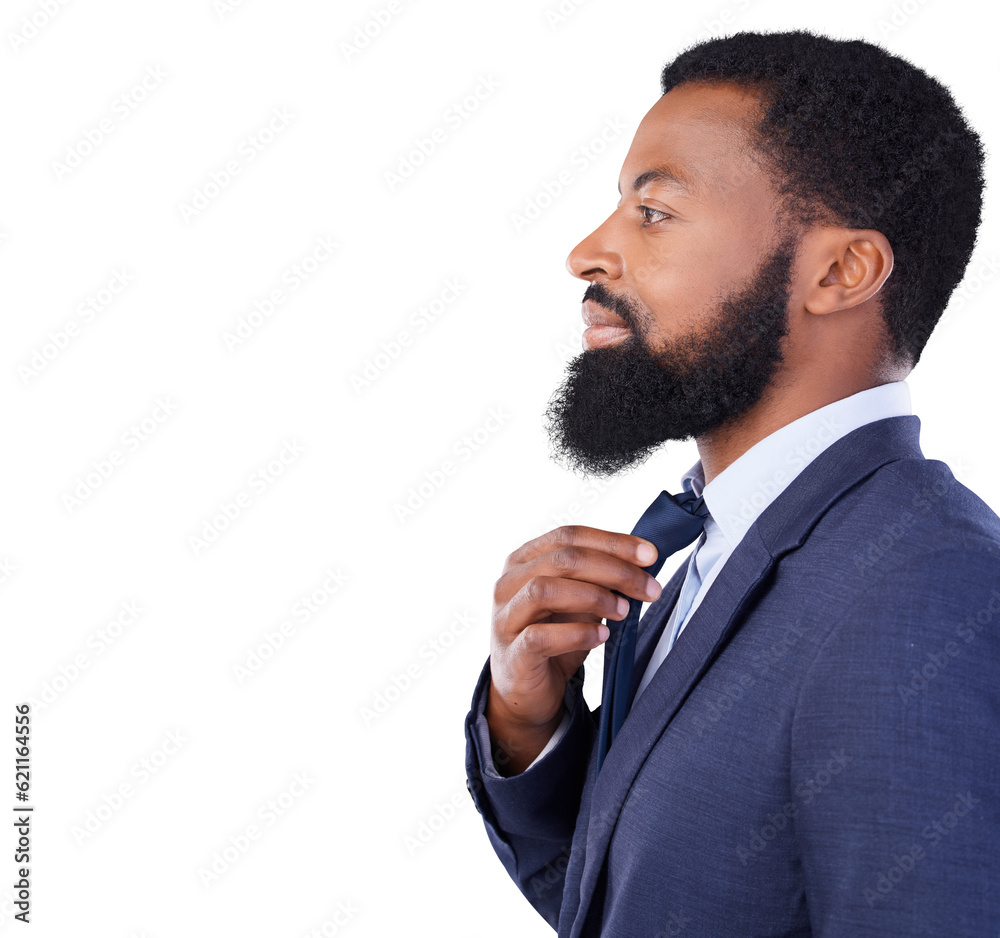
782, 527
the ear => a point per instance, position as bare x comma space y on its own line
846, 267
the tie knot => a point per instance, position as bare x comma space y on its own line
695, 504
671, 522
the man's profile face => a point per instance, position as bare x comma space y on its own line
694, 271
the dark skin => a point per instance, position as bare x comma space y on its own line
674, 246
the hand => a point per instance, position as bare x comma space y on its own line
547, 611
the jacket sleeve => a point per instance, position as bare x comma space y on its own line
896, 759
530, 817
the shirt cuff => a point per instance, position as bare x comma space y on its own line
482, 730
554, 738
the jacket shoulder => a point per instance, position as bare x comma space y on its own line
909, 511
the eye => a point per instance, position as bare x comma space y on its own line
645, 208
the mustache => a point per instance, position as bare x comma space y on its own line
621, 306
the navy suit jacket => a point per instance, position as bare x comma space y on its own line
819, 754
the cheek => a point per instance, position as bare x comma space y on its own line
679, 283
660, 271
732, 250
675, 306
681, 279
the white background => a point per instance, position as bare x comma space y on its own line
378, 825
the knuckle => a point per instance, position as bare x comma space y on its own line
535, 639
566, 558
566, 534
617, 544
500, 631
605, 602
537, 589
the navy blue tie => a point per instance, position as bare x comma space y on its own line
671, 522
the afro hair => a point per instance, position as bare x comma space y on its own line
855, 136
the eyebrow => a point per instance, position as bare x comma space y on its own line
661, 174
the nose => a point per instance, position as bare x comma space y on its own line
594, 258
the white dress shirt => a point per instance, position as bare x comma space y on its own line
739, 494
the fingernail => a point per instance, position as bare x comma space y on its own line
603, 632
653, 589
646, 554
622, 605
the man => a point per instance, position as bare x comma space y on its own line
811, 744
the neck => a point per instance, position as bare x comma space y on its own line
721, 447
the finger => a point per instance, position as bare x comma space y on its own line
573, 617
585, 564
627, 547
596, 566
541, 640
542, 595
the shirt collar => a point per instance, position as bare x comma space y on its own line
738, 495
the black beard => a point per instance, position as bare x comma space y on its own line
619, 403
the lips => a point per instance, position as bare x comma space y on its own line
603, 327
